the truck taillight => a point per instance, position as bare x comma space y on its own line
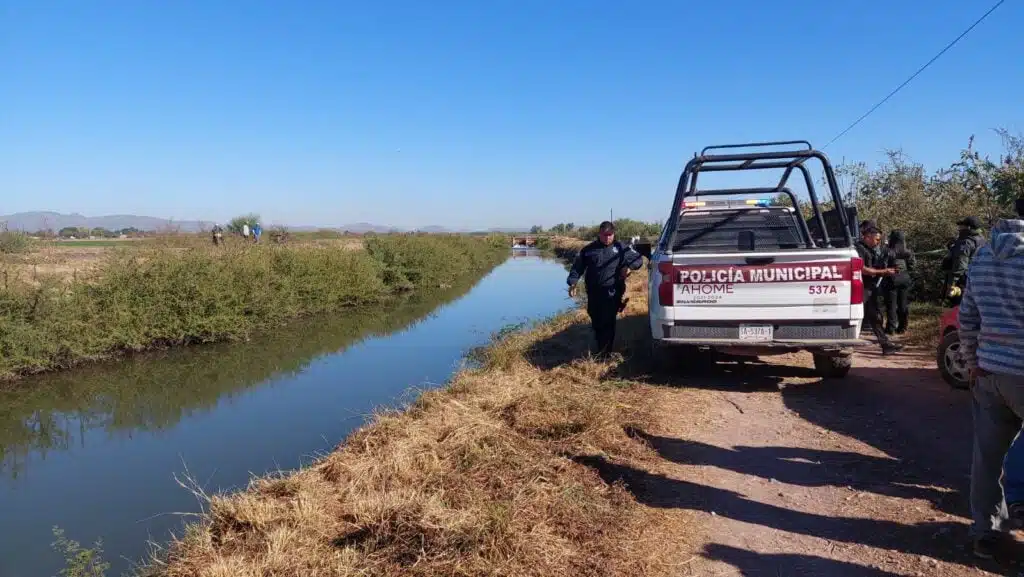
667, 272
856, 281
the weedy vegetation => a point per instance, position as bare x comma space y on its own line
150, 297
13, 242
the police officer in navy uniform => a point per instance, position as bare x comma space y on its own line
601, 263
869, 248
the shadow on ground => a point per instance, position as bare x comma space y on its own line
940, 540
752, 564
905, 412
909, 414
567, 345
802, 467
637, 361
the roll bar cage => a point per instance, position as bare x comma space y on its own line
804, 231
725, 160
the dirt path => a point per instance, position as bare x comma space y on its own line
766, 470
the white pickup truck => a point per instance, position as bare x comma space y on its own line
748, 276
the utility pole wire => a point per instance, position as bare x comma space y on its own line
914, 75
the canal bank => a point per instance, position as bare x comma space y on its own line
96, 451
142, 299
498, 472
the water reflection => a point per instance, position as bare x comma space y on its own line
154, 392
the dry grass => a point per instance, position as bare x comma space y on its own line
69, 259
48, 260
475, 479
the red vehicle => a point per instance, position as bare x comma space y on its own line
951, 366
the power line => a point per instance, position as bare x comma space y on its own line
914, 75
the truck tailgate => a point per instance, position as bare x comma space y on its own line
786, 285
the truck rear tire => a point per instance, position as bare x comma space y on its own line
833, 367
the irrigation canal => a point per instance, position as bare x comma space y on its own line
99, 450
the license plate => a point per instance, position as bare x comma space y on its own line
755, 332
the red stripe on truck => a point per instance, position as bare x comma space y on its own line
772, 273
851, 270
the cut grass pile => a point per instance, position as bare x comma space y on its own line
145, 298
482, 477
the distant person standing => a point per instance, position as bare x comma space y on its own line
603, 264
992, 347
257, 232
896, 288
218, 235
245, 231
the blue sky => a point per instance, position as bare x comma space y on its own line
466, 112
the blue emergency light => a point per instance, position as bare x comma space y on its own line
762, 202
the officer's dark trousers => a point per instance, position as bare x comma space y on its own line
873, 317
897, 308
603, 310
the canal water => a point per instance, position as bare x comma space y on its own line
98, 451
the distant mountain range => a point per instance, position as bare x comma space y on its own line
35, 221
42, 220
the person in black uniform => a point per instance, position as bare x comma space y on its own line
869, 247
960, 251
897, 287
603, 264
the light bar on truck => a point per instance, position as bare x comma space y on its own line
706, 203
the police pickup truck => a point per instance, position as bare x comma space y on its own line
750, 276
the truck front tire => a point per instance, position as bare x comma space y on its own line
833, 367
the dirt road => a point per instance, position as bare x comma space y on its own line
766, 470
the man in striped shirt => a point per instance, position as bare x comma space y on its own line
992, 345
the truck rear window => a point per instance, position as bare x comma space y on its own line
738, 230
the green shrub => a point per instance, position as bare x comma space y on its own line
901, 194
12, 242
431, 261
928, 279
236, 224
